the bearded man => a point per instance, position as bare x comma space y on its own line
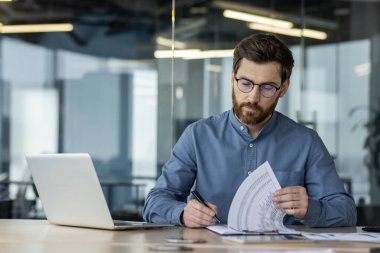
219, 152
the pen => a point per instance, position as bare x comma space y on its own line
201, 200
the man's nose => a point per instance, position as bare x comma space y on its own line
254, 95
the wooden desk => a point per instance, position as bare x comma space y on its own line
36, 236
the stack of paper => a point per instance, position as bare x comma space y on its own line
252, 209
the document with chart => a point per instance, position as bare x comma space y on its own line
252, 209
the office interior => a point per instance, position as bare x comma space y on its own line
122, 79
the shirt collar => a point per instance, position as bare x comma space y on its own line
268, 127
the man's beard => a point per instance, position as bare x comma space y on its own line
249, 118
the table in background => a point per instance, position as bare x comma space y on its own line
36, 236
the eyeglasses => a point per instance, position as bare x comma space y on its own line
266, 89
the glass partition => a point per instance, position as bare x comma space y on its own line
129, 77
93, 90
332, 83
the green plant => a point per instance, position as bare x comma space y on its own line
372, 141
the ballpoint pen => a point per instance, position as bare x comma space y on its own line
201, 200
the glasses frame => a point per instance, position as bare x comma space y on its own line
258, 84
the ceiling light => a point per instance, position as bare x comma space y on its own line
309, 20
36, 28
257, 19
193, 54
210, 54
6, 0
290, 32
314, 34
168, 43
177, 53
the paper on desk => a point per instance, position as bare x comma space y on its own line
225, 230
356, 237
289, 251
252, 208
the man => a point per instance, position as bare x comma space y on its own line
218, 153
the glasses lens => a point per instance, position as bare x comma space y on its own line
267, 90
244, 85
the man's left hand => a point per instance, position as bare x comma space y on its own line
293, 200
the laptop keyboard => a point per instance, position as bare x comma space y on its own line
124, 222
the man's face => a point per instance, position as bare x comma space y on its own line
253, 108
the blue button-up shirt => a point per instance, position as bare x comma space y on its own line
218, 153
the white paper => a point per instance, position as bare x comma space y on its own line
289, 251
356, 237
224, 230
252, 208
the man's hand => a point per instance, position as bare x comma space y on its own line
197, 215
293, 200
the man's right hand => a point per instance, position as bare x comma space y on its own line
197, 215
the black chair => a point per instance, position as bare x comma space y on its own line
368, 215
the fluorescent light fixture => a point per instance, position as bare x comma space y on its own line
257, 19
290, 32
193, 54
36, 28
314, 34
210, 54
6, 0
177, 53
168, 43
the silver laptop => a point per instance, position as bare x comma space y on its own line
71, 194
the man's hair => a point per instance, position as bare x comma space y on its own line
264, 48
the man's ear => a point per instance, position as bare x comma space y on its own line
284, 87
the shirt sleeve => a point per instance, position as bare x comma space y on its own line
166, 201
329, 204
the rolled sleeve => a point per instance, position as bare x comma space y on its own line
313, 212
176, 214
166, 201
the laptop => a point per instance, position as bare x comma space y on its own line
71, 194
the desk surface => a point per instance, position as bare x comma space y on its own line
34, 236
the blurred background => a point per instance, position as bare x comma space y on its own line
101, 77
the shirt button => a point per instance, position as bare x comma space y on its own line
250, 145
249, 173
241, 128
